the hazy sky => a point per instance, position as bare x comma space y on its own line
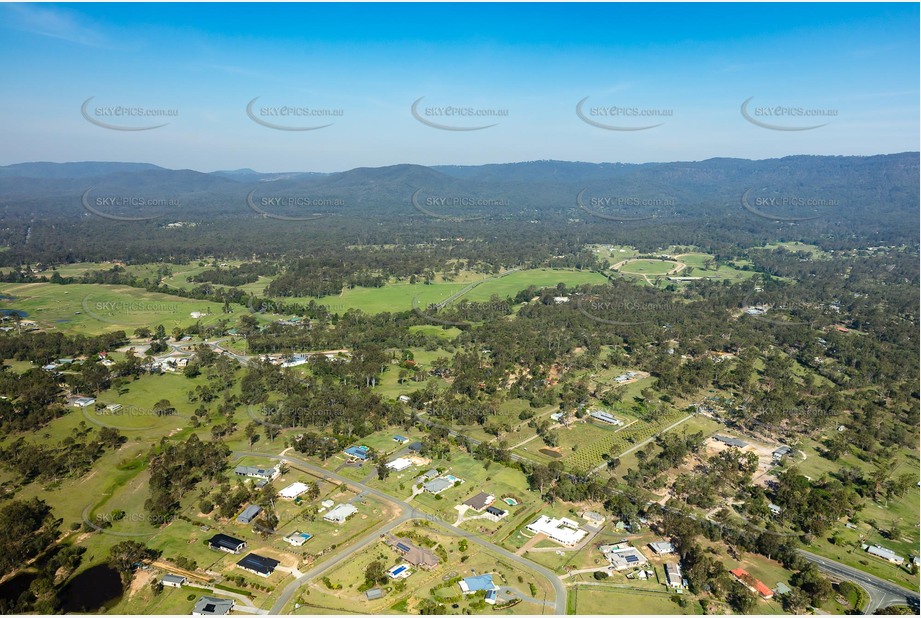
693, 66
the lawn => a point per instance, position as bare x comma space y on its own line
647, 267
588, 599
90, 309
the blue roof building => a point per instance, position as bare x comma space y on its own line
357, 452
484, 582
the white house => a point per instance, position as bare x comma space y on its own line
564, 531
340, 514
293, 490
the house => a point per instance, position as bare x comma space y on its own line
775, 510
212, 606
428, 476
593, 518
564, 531
557, 416
415, 447
297, 538
623, 556
480, 501
358, 452
673, 575
604, 417
82, 402
340, 514
112, 408
249, 514
398, 438
493, 513
885, 554
399, 464
484, 582
260, 565
781, 452
173, 581
401, 571
257, 472
226, 543
755, 585
730, 441
293, 490
662, 547
436, 486
491, 596
374, 594
412, 553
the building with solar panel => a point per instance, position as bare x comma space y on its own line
623, 556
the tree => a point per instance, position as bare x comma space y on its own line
126, 555
741, 599
375, 572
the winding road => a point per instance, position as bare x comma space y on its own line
882, 593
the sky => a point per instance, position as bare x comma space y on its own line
497, 82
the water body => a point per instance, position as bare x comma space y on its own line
98, 587
12, 312
13, 588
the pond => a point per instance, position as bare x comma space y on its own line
11, 589
12, 312
98, 587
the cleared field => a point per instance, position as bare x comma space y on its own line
588, 599
648, 267
90, 309
403, 296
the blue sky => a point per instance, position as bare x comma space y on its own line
692, 65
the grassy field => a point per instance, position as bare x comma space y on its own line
588, 599
93, 309
402, 296
647, 267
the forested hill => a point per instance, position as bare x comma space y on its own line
66, 209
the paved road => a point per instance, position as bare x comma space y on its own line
407, 513
882, 593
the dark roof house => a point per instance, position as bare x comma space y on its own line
480, 501
260, 565
226, 543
